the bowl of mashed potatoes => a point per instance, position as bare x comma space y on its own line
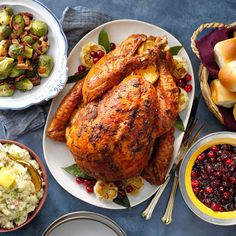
20, 200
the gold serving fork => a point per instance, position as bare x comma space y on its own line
187, 142
32, 171
167, 217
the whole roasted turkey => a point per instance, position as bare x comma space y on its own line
118, 121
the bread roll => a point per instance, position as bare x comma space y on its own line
220, 95
227, 76
225, 51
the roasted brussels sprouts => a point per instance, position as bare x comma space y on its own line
6, 90
5, 16
5, 31
28, 52
24, 84
42, 45
18, 24
45, 65
4, 48
38, 28
15, 50
28, 39
15, 72
6, 66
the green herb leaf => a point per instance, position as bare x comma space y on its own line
179, 124
103, 40
175, 50
76, 171
75, 78
123, 202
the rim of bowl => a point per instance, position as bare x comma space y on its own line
31, 215
196, 146
62, 84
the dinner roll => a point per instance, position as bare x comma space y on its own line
227, 76
220, 95
225, 51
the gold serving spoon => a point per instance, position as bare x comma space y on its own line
35, 177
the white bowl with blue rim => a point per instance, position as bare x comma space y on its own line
52, 85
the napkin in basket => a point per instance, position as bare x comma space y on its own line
76, 22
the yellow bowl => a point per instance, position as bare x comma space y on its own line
204, 212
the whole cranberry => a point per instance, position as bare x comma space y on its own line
232, 180
93, 54
93, 182
195, 183
87, 182
215, 206
95, 60
208, 190
221, 209
215, 148
210, 154
129, 189
181, 83
201, 157
113, 46
121, 193
228, 162
188, 77
188, 88
196, 190
119, 184
79, 180
225, 147
221, 189
81, 68
89, 188
226, 195
207, 201
193, 174
217, 173
100, 53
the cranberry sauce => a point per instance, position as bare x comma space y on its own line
214, 177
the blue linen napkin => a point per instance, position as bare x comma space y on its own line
76, 22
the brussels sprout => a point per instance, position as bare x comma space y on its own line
42, 45
45, 65
28, 52
15, 72
6, 66
18, 24
5, 31
15, 50
38, 28
6, 90
4, 16
28, 39
24, 85
4, 48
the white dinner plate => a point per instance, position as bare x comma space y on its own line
84, 223
57, 154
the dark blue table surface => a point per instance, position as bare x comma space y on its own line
180, 18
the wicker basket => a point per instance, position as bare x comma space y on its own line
203, 72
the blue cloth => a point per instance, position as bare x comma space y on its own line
75, 22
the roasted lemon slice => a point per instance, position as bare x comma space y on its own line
183, 99
136, 183
149, 73
181, 68
105, 191
85, 53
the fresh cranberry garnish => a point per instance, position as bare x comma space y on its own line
196, 190
89, 188
195, 183
81, 68
215, 148
87, 182
226, 195
181, 83
95, 60
79, 180
194, 174
113, 46
93, 54
188, 77
215, 206
201, 157
129, 189
100, 53
228, 162
118, 184
188, 88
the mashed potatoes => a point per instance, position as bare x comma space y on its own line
17, 192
